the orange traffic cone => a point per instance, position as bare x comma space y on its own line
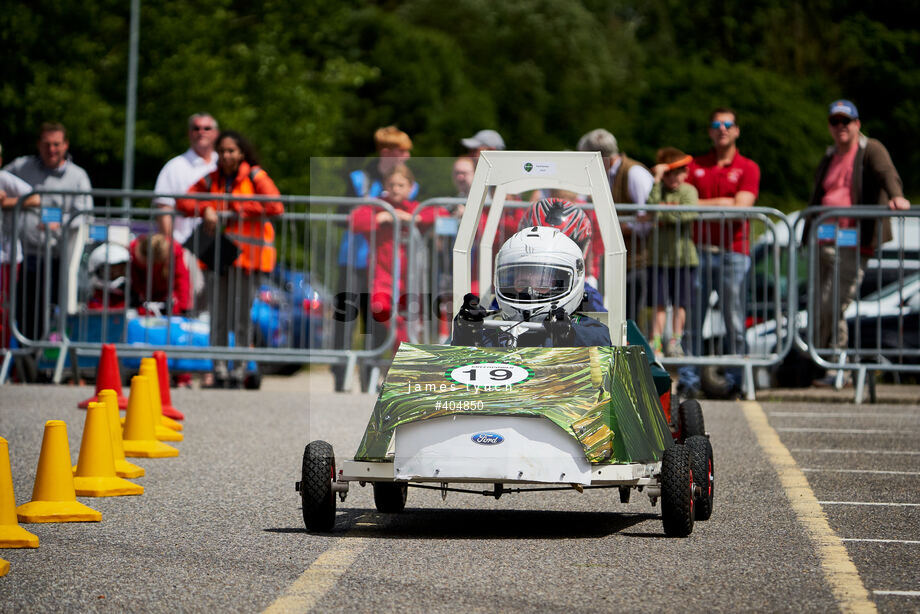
123, 467
11, 534
139, 437
108, 375
163, 371
53, 496
95, 476
165, 428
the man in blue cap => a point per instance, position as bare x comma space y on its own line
856, 170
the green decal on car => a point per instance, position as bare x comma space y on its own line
602, 396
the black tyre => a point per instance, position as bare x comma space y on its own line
316, 486
390, 497
253, 380
703, 474
690, 419
677, 492
714, 383
279, 368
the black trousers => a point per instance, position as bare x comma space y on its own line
31, 299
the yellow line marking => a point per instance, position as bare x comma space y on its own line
839, 571
307, 590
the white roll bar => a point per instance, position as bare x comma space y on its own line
513, 172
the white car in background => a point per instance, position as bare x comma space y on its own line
894, 310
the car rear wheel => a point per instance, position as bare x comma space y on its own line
677, 511
316, 491
703, 474
390, 497
690, 419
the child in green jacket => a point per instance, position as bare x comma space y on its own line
675, 259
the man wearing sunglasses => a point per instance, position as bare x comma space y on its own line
184, 171
176, 177
723, 178
855, 170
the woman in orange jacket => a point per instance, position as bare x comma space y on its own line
238, 173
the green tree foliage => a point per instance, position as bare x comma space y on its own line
254, 66
315, 78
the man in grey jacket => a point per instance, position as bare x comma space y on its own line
856, 170
51, 169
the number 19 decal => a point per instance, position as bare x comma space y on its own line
489, 374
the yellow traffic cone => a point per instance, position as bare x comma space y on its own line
139, 437
160, 429
53, 496
11, 534
149, 368
95, 476
123, 467
4, 567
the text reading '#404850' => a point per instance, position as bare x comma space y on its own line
489, 374
458, 405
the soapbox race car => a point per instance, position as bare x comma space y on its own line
526, 419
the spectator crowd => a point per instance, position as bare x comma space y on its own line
207, 253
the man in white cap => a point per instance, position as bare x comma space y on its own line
484, 140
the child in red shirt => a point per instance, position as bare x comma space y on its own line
377, 225
156, 249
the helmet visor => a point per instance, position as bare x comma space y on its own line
533, 283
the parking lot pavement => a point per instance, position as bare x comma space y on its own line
886, 394
220, 526
863, 464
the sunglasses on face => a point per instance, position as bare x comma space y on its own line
726, 124
202, 128
838, 121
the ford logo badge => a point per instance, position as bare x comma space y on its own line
487, 439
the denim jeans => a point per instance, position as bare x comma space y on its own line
726, 274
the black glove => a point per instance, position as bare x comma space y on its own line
468, 321
559, 326
472, 311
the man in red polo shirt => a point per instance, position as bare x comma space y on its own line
723, 178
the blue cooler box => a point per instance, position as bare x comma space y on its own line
183, 332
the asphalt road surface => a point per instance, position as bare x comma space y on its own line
220, 527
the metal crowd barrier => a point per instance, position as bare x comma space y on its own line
57, 319
863, 297
314, 306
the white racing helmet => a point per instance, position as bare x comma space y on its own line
115, 255
537, 268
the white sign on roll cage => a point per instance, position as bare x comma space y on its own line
513, 172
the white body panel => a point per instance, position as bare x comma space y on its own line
532, 450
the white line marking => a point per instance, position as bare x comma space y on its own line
320, 577
898, 593
882, 541
829, 451
869, 503
872, 471
856, 431
822, 415
839, 571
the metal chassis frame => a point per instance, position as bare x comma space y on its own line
630, 474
